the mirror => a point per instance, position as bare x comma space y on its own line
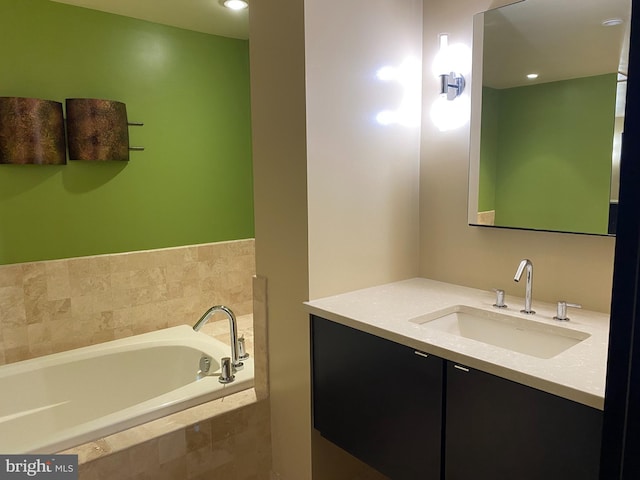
547, 117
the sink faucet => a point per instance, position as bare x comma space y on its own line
236, 362
526, 263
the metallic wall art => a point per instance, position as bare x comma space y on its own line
31, 131
97, 129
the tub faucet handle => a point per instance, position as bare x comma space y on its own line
242, 351
226, 371
499, 298
561, 313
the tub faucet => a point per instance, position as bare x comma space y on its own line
236, 362
526, 263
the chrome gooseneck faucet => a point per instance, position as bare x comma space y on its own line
233, 327
526, 263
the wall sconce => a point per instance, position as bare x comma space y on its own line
98, 130
451, 85
449, 65
31, 132
451, 110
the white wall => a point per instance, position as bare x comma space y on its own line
280, 196
358, 225
362, 176
576, 268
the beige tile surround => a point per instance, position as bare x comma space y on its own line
57, 305
227, 439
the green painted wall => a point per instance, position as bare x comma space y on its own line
554, 147
489, 149
193, 182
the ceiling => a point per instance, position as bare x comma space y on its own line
558, 39
206, 16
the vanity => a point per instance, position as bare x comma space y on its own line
403, 381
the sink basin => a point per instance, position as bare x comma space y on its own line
501, 330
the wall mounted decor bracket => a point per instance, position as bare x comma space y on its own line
136, 124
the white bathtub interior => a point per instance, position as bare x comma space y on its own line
62, 400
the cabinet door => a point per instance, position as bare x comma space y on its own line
378, 400
498, 429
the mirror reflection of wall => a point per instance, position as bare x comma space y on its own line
550, 117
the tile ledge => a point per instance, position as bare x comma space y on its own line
154, 429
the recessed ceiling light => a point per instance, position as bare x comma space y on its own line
612, 22
532, 76
236, 4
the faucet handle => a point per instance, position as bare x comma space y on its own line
499, 298
561, 313
242, 351
226, 371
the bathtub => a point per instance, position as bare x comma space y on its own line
55, 402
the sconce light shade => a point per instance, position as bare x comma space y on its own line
31, 132
97, 129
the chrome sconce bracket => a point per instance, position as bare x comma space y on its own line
451, 85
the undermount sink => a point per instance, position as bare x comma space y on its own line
501, 330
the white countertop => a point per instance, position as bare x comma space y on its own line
577, 374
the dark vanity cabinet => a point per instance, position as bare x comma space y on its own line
378, 400
412, 416
498, 429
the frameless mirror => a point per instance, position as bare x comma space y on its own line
547, 117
